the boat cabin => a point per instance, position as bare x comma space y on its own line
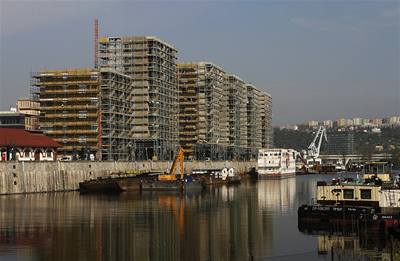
379, 170
348, 193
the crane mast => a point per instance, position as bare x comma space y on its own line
313, 149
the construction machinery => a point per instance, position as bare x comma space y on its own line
172, 180
172, 175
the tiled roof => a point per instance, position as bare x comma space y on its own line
22, 138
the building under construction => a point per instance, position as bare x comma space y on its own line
254, 125
220, 116
266, 121
237, 113
203, 110
151, 63
88, 111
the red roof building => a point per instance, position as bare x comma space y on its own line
18, 144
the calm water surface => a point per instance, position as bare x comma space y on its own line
252, 221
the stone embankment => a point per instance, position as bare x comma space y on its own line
30, 177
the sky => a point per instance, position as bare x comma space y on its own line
318, 59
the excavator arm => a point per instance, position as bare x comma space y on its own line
172, 172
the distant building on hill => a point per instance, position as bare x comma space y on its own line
339, 144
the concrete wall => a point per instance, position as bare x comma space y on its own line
28, 177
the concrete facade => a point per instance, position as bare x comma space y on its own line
30, 177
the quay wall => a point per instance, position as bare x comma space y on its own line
29, 177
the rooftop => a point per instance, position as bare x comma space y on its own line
22, 138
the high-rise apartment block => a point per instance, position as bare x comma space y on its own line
203, 113
237, 113
139, 104
151, 63
220, 116
88, 111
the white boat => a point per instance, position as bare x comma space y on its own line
276, 163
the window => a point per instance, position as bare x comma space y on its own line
348, 194
365, 193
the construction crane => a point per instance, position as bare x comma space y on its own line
171, 176
313, 150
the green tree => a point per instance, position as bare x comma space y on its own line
396, 158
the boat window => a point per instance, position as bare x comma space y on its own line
365, 193
348, 194
376, 168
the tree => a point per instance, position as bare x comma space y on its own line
395, 160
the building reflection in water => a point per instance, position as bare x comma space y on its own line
277, 195
348, 242
223, 223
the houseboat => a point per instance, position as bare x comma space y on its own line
378, 188
276, 163
347, 199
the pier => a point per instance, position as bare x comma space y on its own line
29, 177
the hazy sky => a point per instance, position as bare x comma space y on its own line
318, 59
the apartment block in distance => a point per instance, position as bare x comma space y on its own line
87, 111
31, 111
151, 63
203, 112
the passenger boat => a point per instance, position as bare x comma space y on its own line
276, 163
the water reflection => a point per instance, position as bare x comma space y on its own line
277, 195
347, 242
223, 223
253, 221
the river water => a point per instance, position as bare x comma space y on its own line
251, 221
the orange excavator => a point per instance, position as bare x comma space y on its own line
172, 175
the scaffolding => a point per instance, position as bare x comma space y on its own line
152, 65
87, 111
203, 113
254, 124
116, 115
237, 106
221, 117
69, 108
266, 120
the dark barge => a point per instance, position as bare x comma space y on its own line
333, 214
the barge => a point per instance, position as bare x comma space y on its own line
116, 182
217, 176
374, 199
